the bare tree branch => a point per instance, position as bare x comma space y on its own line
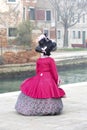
9, 16
70, 12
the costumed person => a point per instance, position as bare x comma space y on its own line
41, 94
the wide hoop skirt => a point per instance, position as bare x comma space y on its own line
33, 106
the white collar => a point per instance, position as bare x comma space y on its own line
44, 56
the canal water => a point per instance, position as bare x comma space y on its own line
68, 76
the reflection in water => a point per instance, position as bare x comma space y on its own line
67, 76
73, 76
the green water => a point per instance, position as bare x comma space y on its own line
67, 76
73, 76
9, 85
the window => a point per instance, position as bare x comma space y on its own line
84, 18
11, 0
58, 18
48, 15
32, 14
12, 32
74, 0
78, 20
34, 1
59, 34
73, 19
79, 34
45, 32
24, 15
27, 0
74, 35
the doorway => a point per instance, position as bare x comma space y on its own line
83, 37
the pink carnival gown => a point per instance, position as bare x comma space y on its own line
40, 94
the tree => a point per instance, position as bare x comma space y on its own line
24, 33
9, 16
69, 11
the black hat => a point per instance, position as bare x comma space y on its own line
45, 45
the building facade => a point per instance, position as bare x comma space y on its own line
77, 35
42, 15
10, 17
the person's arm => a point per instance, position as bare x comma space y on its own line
54, 71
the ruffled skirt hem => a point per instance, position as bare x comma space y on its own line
36, 107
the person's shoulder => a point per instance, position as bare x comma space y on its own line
51, 59
38, 60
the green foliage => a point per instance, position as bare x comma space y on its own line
24, 33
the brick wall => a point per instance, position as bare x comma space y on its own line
20, 57
3, 37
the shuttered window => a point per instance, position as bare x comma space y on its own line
48, 15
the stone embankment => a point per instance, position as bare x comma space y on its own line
63, 59
19, 57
